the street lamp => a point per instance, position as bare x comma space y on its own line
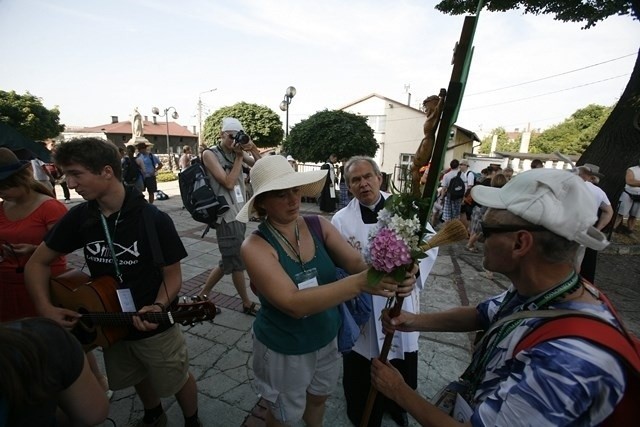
284, 106
156, 112
200, 117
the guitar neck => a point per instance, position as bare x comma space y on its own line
124, 319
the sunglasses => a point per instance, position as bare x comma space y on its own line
488, 230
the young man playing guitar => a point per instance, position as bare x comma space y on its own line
110, 228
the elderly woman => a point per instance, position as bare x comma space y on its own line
27, 211
292, 262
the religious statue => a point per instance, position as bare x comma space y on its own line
136, 124
433, 109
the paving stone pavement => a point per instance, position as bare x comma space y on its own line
221, 351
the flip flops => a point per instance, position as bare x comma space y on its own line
252, 310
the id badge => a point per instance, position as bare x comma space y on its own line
307, 279
126, 300
238, 192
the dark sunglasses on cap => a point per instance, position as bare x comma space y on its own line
488, 229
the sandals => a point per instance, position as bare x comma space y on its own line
252, 310
472, 249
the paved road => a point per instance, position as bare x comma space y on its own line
220, 351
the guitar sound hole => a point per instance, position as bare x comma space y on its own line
85, 330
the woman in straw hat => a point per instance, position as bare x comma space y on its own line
27, 211
292, 262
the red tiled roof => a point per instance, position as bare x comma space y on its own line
149, 128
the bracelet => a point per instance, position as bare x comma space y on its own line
161, 305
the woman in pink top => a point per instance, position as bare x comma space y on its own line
27, 211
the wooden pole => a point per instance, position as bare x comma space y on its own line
461, 62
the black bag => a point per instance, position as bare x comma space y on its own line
198, 196
456, 187
633, 197
130, 171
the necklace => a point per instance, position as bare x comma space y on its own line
283, 239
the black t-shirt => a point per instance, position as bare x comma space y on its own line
63, 360
82, 228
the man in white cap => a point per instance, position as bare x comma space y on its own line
629, 201
532, 230
590, 174
224, 164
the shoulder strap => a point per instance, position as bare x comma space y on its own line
148, 216
603, 334
313, 222
592, 329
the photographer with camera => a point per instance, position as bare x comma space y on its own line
224, 164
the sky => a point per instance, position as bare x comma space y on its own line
94, 60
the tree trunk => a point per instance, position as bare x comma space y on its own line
617, 146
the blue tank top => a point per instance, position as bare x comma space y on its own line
288, 335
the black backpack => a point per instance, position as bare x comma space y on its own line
130, 171
456, 187
198, 196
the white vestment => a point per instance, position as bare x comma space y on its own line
349, 223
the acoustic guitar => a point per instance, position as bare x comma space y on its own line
103, 323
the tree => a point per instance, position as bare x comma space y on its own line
260, 122
330, 132
574, 134
504, 144
616, 146
26, 114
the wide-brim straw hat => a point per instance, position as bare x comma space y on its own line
10, 164
275, 173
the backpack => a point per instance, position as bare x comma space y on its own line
594, 329
52, 170
198, 196
456, 187
130, 171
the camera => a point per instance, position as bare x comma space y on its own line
241, 138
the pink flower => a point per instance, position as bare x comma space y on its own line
388, 252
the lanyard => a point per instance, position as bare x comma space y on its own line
298, 252
110, 243
475, 371
224, 155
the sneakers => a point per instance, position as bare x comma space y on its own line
67, 201
161, 421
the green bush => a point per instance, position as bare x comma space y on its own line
166, 176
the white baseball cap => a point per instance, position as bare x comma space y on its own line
555, 199
231, 124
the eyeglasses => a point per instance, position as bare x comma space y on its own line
488, 230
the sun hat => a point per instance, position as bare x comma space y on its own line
591, 169
290, 158
137, 144
555, 199
9, 163
275, 173
231, 124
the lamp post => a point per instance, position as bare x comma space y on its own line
174, 116
200, 117
284, 106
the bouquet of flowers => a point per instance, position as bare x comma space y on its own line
395, 243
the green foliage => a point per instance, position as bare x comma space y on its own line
504, 144
166, 176
26, 114
330, 132
260, 122
574, 134
587, 12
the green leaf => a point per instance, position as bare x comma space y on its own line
399, 273
374, 276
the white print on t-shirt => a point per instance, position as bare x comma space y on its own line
98, 251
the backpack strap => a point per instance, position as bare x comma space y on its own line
604, 335
313, 222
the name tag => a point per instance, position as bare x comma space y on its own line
307, 279
126, 300
238, 192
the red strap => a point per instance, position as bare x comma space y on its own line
607, 336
